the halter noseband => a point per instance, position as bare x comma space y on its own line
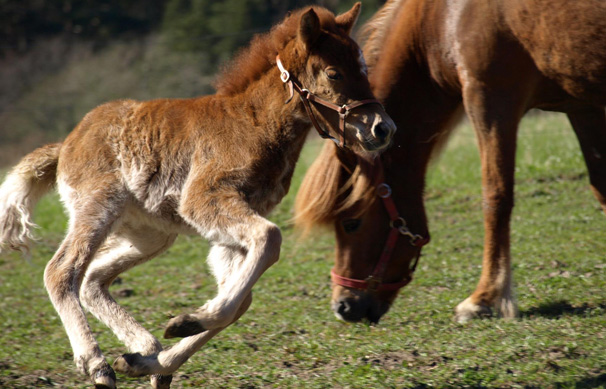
374, 282
307, 97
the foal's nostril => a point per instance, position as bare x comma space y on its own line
381, 131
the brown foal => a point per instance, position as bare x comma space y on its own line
133, 175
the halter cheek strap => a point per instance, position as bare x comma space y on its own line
308, 97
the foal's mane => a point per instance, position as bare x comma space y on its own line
253, 61
332, 187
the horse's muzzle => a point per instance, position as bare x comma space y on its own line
359, 308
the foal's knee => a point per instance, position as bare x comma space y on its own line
272, 238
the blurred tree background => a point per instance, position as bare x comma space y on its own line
61, 58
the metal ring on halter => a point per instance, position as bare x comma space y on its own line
306, 92
400, 225
284, 76
384, 191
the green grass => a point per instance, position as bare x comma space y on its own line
290, 338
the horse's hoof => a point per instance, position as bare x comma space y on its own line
467, 311
126, 363
104, 378
161, 381
183, 326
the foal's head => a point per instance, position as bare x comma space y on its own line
324, 60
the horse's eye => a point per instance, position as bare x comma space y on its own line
333, 74
351, 225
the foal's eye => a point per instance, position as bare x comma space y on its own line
351, 225
333, 74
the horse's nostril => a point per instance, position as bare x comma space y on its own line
350, 309
343, 308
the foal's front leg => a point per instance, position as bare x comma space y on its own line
244, 246
168, 361
250, 247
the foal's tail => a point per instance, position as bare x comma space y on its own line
24, 185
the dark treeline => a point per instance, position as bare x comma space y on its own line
61, 58
218, 27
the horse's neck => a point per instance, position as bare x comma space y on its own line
406, 80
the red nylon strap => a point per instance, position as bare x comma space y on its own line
364, 284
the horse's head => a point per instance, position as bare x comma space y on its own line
380, 227
327, 69
377, 251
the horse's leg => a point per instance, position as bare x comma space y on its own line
590, 127
91, 219
496, 124
124, 249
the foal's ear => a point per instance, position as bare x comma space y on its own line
348, 19
309, 28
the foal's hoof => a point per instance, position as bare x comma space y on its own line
182, 326
161, 381
126, 364
104, 378
467, 311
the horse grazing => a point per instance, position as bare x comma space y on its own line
133, 175
430, 61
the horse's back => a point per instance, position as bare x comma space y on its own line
566, 40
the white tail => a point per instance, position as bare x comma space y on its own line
24, 185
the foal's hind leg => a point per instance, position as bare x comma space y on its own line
124, 249
91, 219
590, 127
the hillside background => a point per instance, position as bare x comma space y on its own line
61, 58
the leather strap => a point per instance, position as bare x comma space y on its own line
307, 97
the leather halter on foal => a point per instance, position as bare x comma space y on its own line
307, 97
374, 282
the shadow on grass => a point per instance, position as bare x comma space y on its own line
593, 382
557, 309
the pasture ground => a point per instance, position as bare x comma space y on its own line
290, 338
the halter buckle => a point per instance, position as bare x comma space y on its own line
373, 283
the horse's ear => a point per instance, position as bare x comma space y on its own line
309, 29
348, 19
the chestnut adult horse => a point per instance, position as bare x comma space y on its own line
133, 175
429, 62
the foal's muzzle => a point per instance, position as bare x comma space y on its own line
378, 135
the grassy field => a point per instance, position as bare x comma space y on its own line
290, 338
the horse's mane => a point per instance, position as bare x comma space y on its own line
374, 32
256, 59
330, 187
